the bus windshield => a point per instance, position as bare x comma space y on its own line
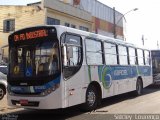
34, 60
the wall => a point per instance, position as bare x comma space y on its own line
67, 9
102, 17
25, 16
66, 18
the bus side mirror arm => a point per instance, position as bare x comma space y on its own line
64, 55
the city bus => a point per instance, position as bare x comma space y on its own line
155, 54
53, 67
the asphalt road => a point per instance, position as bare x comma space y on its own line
148, 103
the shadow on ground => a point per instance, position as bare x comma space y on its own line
119, 98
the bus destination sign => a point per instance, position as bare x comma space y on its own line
31, 35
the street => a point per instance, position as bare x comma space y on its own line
121, 104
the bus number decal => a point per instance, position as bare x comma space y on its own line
16, 69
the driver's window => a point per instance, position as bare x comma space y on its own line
74, 56
71, 54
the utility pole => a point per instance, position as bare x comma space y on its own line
116, 23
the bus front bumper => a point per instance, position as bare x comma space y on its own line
52, 101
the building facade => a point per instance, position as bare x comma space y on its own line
105, 20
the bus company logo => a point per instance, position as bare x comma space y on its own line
31, 35
120, 72
105, 76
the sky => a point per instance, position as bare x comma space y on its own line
145, 21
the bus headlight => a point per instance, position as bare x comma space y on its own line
9, 90
50, 90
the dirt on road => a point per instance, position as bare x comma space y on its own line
4, 108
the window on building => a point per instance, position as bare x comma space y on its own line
94, 52
132, 56
73, 26
123, 58
9, 25
52, 21
110, 53
67, 24
140, 57
83, 28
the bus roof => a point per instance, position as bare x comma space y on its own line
86, 34
98, 36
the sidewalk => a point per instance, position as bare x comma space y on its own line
4, 108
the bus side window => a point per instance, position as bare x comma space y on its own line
94, 52
110, 54
140, 57
123, 57
132, 56
147, 57
71, 54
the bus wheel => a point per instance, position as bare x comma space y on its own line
2, 92
139, 87
91, 99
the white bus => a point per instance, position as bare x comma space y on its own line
53, 67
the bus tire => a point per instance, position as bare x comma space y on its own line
139, 87
91, 99
2, 92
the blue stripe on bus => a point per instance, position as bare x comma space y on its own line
35, 89
109, 73
123, 72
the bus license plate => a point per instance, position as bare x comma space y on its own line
24, 102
